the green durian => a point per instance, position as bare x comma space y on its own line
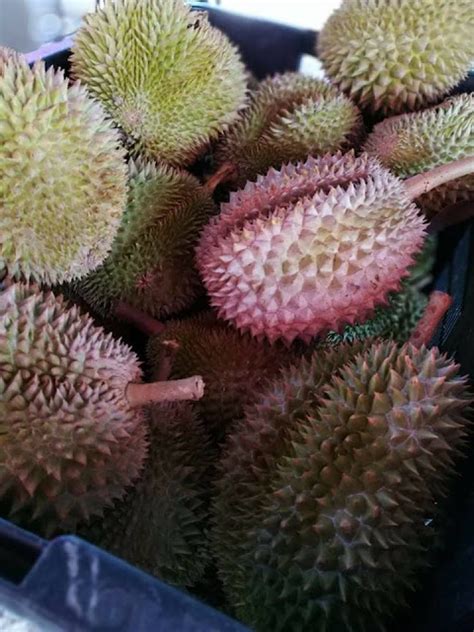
248, 459
393, 56
170, 80
336, 521
416, 142
70, 442
396, 321
290, 117
161, 524
232, 365
62, 176
151, 265
8, 55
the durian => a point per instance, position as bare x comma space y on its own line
62, 176
393, 56
290, 117
412, 143
232, 365
8, 55
335, 521
310, 248
72, 434
151, 265
170, 80
161, 524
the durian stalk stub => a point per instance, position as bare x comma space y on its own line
170, 391
438, 305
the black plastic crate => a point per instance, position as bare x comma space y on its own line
76, 586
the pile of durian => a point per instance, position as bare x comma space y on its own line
281, 436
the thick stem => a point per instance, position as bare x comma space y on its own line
170, 349
424, 182
225, 172
438, 305
451, 215
133, 316
172, 391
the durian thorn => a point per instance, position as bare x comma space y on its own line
171, 391
451, 215
224, 173
438, 305
424, 182
133, 316
170, 349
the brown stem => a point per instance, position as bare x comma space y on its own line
451, 215
133, 316
224, 173
438, 305
172, 391
170, 349
424, 182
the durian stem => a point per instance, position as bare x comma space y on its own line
171, 391
133, 316
424, 182
451, 215
224, 173
438, 305
170, 349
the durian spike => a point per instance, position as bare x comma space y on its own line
133, 316
170, 391
438, 305
424, 182
225, 173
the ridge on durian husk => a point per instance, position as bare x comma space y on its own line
394, 56
166, 76
414, 143
151, 265
160, 526
62, 176
290, 117
232, 365
71, 443
336, 519
310, 248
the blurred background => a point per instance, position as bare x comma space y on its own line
27, 24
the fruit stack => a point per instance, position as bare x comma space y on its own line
289, 450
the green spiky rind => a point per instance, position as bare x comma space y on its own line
290, 117
249, 456
396, 321
151, 265
346, 525
232, 365
169, 79
417, 142
161, 525
394, 56
8, 55
63, 177
70, 443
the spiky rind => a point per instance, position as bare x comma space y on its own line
232, 365
8, 55
310, 248
169, 79
290, 117
151, 265
70, 443
397, 55
417, 142
249, 455
161, 524
396, 321
347, 523
62, 177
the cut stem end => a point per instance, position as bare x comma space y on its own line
191, 388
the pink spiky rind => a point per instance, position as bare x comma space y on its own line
310, 248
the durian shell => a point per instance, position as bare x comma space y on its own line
71, 444
169, 79
393, 56
62, 176
417, 142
